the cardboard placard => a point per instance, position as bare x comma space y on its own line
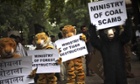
71, 47
105, 14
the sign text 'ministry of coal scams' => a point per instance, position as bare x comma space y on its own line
71, 47
108, 13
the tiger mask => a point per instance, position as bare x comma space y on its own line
8, 48
41, 40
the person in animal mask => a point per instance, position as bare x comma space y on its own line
17, 37
110, 43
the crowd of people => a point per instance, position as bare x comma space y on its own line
114, 65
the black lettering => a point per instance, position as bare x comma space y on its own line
107, 5
72, 51
121, 3
73, 46
117, 4
112, 4
109, 20
71, 42
101, 7
120, 11
50, 55
104, 21
96, 15
116, 12
112, 12
107, 13
99, 22
47, 60
114, 19
93, 8
119, 18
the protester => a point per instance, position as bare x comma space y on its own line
75, 73
138, 41
84, 30
128, 54
62, 74
53, 39
60, 36
17, 37
111, 44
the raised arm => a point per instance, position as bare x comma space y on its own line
126, 35
94, 39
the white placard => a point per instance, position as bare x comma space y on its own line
15, 70
105, 14
45, 60
71, 47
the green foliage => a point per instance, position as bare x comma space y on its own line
75, 15
13, 2
56, 8
21, 15
38, 5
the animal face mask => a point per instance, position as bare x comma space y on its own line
110, 33
68, 31
7, 47
41, 40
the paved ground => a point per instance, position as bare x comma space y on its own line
136, 70
95, 79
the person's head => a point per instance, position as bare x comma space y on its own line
15, 35
61, 28
41, 40
47, 33
52, 38
83, 29
16, 38
60, 36
109, 33
68, 31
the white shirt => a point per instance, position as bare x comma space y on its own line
21, 50
138, 33
53, 44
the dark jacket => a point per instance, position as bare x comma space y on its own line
112, 52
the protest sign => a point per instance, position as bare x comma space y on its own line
15, 70
45, 60
71, 47
105, 14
